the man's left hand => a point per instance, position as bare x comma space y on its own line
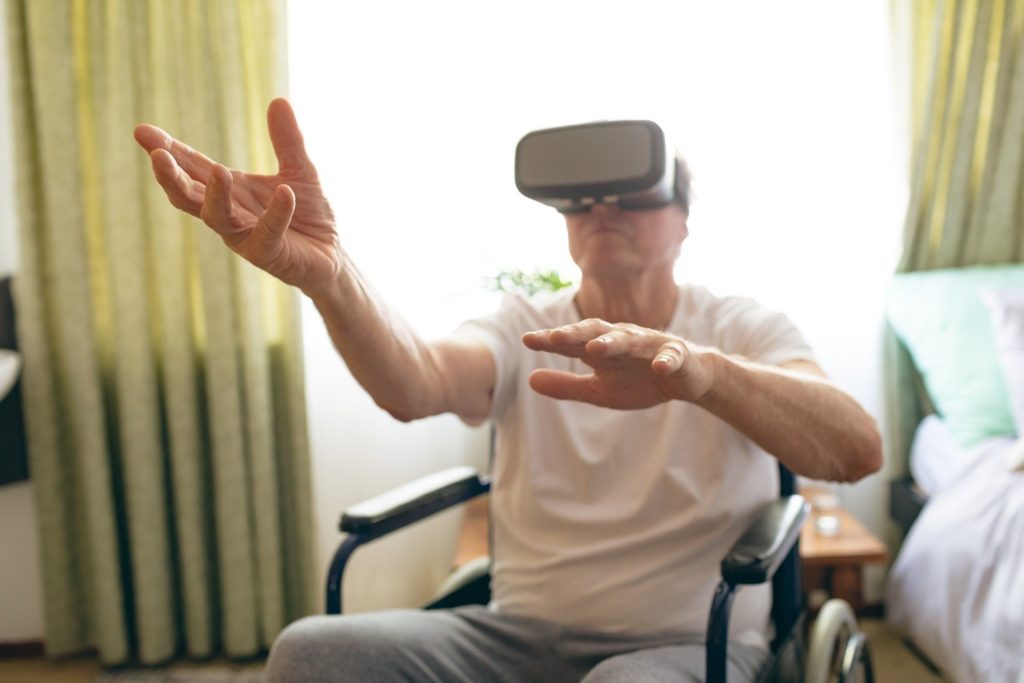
634, 367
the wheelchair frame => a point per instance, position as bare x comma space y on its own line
768, 550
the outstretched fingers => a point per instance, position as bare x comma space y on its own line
286, 137
571, 340
669, 358
620, 340
194, 163
267, 238
601, 340
566, 386
182, 191
217, 211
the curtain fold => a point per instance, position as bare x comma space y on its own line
967, 175
968, 134
163, 375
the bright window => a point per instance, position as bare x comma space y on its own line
412, 111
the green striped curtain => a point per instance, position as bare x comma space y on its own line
966, 61
967, 124
163, 375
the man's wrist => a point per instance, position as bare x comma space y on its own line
712, 368
322, 294
325, 293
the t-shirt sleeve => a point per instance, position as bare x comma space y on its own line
502, 332
765, 336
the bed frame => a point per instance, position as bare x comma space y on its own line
906, 500
907, 403
13, 454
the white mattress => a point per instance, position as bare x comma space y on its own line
957, 586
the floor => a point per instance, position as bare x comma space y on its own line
81, 670
894, 663
40, 670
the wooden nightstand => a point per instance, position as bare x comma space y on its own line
835, 563
474, 539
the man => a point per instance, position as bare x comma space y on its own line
608, 524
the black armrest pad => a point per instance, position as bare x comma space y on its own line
762, 548
414, 501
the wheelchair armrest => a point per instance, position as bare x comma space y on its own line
766, 542
414, 501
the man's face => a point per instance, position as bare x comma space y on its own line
609, 240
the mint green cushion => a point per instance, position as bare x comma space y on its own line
941, 318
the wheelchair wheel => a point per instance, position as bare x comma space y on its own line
837, 651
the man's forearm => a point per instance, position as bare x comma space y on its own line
384, 354
808, 423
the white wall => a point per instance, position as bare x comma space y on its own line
812, 151
21, 605
21, 593
359, 451
8, 243
783, 110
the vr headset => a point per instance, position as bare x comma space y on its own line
625, 162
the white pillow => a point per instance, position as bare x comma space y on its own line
936, 457
1007, 308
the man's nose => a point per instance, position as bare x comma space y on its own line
604, 208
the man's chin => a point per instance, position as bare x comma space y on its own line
608, 265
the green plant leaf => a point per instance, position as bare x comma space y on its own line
529, 282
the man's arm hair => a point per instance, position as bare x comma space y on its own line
405, 375
795, 413
792, 411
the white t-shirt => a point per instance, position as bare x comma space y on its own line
614, 520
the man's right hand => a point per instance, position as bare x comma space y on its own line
280, 223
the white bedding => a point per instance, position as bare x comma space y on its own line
937, 459
957, 586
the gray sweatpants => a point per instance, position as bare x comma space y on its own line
475, 645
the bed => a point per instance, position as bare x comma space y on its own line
956, 587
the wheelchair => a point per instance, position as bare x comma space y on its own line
835, 650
